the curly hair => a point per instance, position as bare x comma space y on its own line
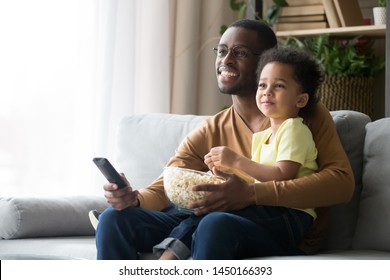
307, 71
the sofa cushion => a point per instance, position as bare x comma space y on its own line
147, 142
350, 127
25, 217
42, 248
373, 227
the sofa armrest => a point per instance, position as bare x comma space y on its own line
26, 217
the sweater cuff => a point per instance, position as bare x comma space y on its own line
265, 193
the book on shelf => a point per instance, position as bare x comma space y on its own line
331, 14
303, 2
308, 18
349, 12
302, 10
300, 26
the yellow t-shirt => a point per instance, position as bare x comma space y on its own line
293, 142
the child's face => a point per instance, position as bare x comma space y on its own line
279, 96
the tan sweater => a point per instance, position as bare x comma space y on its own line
333, 184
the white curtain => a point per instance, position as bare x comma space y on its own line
69, 71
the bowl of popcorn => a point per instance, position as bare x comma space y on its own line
178, 184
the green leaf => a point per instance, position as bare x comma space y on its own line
273, 14
236, 6
381, 3
222, 29
280, 3
242, 11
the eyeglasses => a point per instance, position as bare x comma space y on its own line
237, 51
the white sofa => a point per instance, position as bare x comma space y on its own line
59, 228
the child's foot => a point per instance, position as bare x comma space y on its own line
94, 218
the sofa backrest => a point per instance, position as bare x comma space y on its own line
146, 142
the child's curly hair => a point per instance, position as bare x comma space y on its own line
307, 71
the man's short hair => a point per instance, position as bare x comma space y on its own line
265, 34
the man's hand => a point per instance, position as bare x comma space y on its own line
120, 198
233, 194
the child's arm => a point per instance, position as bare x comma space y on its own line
224, 158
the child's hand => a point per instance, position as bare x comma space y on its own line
221, 157
208, 161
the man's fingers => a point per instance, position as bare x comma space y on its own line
205, 187
204, 206
222, 174
110, 187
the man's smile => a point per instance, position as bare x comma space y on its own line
228, 74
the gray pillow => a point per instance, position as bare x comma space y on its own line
373, 227
350, 126
24, 217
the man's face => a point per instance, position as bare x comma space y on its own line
236, 62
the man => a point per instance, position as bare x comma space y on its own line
145, 218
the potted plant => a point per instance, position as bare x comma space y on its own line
350, 67
379, 13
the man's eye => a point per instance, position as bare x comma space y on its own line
222, 52
239, 53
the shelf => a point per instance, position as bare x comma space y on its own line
350, 31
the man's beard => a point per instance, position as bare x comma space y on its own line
239, 90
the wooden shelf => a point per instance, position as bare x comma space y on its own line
351, 31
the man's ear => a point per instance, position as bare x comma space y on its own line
303, 98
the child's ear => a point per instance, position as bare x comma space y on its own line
303, 98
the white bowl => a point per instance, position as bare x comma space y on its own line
178, 184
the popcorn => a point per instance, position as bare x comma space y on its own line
178, 184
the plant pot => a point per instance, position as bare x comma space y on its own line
348, 93
379, 15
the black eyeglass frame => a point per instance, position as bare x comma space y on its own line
246, 50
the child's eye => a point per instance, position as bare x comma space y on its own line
262, 85
279, 86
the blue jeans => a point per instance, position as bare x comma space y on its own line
123, 234
255, 231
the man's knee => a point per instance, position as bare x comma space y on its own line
111, 217
216, 220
